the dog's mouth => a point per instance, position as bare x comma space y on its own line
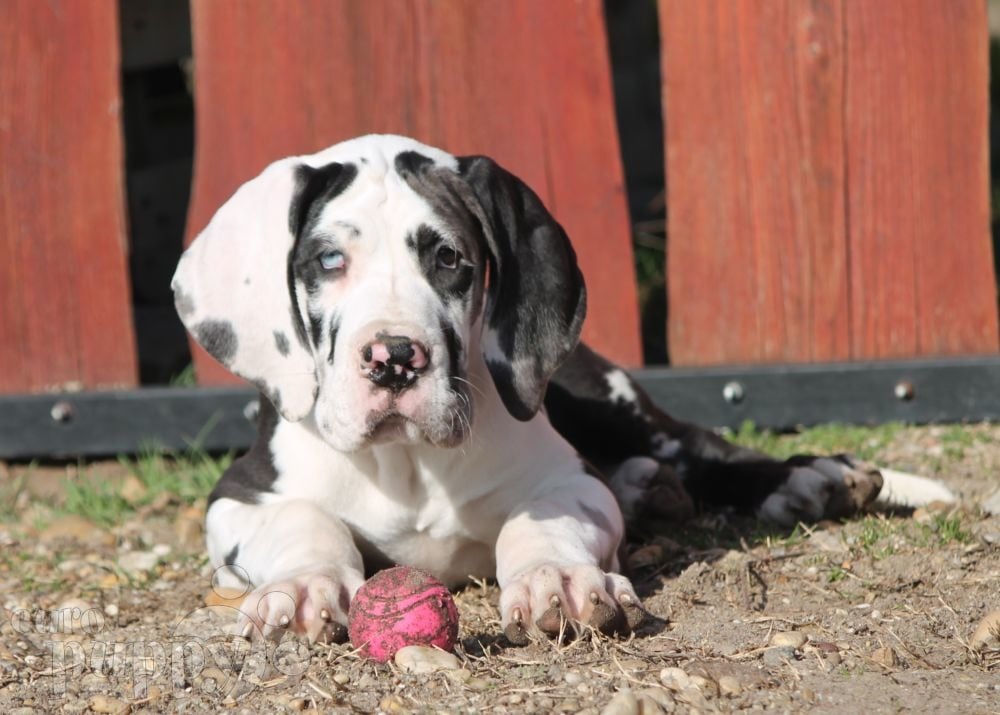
390, 426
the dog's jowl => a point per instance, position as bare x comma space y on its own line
403, 312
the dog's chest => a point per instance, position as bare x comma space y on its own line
401, 508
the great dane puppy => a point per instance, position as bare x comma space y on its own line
402, 312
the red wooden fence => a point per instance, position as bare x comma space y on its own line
827, 180
826, 161
65, 306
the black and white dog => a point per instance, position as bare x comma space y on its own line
406, 313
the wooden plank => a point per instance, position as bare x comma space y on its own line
921, 262
756, 264
65, 317
525, 82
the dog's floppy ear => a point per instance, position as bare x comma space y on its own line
234, 287
536, 299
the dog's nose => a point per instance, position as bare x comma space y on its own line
394, 361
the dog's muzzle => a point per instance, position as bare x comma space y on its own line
394, 362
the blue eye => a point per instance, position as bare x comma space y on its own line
332, 261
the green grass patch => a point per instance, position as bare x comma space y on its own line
862, 442
188, 477
946, 529
876, 536
185, 478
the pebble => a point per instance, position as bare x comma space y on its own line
341, 678
573, 678
138, 562
423, 659
225, 596
132, 489
393, 704
623, 703
74, 615
987, 633
106, 704
675, 679
789, 639
827, 541
693, 698
778, 656
885, 656
729, 686
663, 699
991, 504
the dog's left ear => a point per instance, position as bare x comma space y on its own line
536, 298
234, 287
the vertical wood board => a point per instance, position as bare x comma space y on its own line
65, 315
921, 261
826, 175
756, 232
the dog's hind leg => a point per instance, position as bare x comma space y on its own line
661, 467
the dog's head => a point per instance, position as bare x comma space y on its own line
355, 284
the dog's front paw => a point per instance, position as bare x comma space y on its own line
551, 598
821, 488
313, 604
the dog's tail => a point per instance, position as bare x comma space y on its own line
900, 489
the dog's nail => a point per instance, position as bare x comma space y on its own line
594, 598
516, 616
554, 601
626, 599
325, 615
284, 621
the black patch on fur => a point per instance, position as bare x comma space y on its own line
454, 346
217, 337
412, 162
315, 327
446, 282
315, 187
254, 472
334, 328
536, 301
230, 558
281, 342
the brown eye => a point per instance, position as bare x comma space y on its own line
448, 257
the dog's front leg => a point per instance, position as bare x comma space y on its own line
299, 563
557, 563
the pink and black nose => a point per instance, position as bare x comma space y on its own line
394, 361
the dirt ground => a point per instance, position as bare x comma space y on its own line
876, 614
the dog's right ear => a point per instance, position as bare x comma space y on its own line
234, 288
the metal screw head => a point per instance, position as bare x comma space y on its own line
733, 392
62, 411
904, 390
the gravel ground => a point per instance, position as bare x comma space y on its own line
876, 614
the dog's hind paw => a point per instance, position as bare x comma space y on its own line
821, 488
